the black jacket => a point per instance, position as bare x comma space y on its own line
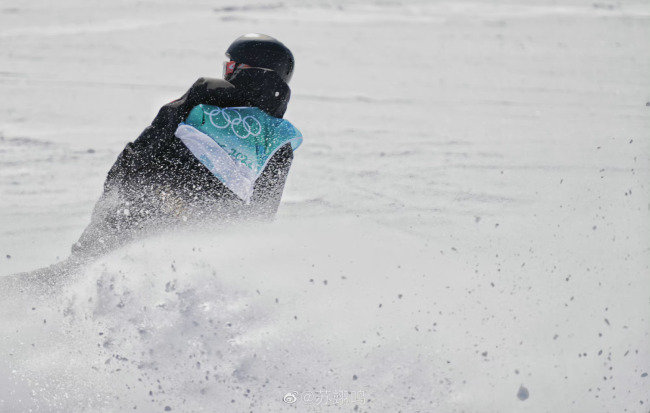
157, 181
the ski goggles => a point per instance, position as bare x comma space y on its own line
230, 67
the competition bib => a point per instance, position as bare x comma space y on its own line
235, 144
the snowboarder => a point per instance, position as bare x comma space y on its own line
222, 151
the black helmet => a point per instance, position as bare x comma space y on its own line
260, 50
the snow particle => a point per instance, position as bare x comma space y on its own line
354, 377
8, 256
168, 409
522, 394
644, 375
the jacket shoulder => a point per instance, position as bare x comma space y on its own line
211, 91
208, 83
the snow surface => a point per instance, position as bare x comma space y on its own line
465, 229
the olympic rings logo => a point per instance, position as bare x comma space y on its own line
242, 127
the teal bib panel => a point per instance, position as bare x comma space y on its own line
235, 144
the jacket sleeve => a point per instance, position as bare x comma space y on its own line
150, 147
110, 223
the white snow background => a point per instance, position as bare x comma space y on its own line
465, 229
